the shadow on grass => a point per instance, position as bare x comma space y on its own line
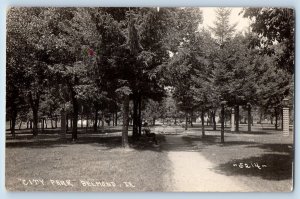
214, 139
110, 142
104, 140
278, 167
250, 133
89, 130
280, 148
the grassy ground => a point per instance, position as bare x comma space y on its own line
98, 161
95, 163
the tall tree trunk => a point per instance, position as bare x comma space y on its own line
135, 118
52, 126
237, 118
276, 118
140, 114
116, 118
186, 121
113, 119
214, 120
34, 103
13, 123
222, 123
102, 119
125, 122
153, 121
191, 119
55, 121
202, 121
75, 118
42, 124
67, 122
63, 123
75, 114
87, 123
35, 122
249, 119
208, 121
96, 119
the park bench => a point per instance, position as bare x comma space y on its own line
146, 134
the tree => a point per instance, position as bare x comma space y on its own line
275, 25
32, 58
222, 28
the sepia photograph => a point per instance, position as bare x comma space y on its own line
150, 99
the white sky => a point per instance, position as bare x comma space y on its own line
209, 18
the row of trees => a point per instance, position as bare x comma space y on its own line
108, 60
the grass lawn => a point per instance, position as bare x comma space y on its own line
98, 163
95, 163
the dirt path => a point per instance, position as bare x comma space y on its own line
193, 173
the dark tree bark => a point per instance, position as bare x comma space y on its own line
102, 119
34, 103
222, 123
276, 118
237, 118
202, 121
13, 122
55, 121
135, 118
186, 121
96, 119
153, 121
75, 113
191, 122
63, 123
35, 122
260, 117
214, 120
87, 123
116, 118
51, 120
249, 119
67, 122
113, 119
42, 123
125, 122
140, 115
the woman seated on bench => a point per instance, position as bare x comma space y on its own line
148, 132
